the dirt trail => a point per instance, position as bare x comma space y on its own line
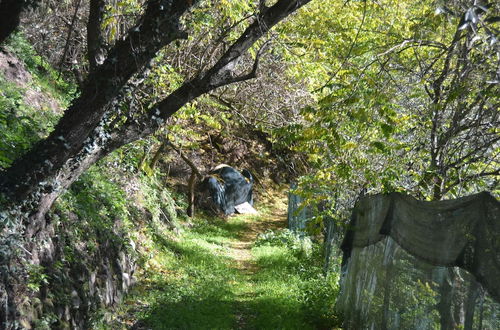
240, 251
170, 298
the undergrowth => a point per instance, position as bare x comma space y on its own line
187, 278
293, 292
189, 281
46, 77
186, 281
20, 125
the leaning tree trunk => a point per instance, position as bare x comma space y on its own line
81, 136
87, 131
73, 133
95, 35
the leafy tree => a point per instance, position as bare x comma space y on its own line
410, 104
410, 101
96, 123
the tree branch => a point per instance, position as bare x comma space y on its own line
468, 178
185, 159
220, 73
68, 37
252, 74
157, 27
95, 36
10, 12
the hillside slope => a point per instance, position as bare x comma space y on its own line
87, 259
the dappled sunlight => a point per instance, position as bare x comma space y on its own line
209, 170
213, 275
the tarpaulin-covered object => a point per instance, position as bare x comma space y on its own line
444, 256
228, 188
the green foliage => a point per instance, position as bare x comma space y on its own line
46, 322
102, 210
320, 296
118, 15
158, 200
190, 281
46, 77
300, 245
291, 280
37, 277
372, 73
96, 196
20, 126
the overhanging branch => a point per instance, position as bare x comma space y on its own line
220, 73
252, 74
211, 79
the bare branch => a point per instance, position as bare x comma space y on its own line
68, 38
470, 177
185, 159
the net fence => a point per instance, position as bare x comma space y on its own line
410, 264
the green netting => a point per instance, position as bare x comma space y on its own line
422, 265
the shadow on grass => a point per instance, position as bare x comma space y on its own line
232, 229
209, 307
192, 255
197, 295
219, 310
203, 290
270, 313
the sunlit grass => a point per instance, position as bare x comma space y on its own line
192, 282
195, 291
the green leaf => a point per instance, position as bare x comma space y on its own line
387, 130
379, 145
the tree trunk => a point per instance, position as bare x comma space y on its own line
445, 304
95, 36
470, 304
87, 133
157, 156
10, 12
73, 133
191, 197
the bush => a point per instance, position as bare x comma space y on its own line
299, 244
320, 295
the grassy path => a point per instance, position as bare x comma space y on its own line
245, 263
213, 276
